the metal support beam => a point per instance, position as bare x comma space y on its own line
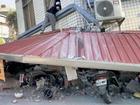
72, 63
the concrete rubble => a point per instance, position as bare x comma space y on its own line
40, 83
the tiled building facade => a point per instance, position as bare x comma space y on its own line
132, 15
130, 7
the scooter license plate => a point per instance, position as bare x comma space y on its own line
101, 82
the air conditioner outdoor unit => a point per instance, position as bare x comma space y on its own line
108, 9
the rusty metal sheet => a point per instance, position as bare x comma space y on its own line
121, 47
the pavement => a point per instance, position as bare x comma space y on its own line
6, 98
62, 98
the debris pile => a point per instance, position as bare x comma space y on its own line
49, 82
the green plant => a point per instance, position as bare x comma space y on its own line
12, 22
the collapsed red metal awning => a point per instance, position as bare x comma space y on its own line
110, 50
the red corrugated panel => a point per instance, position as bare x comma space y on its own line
121, 47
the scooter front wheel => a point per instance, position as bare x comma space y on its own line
106, 98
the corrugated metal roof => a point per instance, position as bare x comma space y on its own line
110, 50
121, 47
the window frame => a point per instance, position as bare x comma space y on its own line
45, 4
29, 15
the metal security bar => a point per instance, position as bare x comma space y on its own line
131, 9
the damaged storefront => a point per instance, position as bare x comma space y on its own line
104, 63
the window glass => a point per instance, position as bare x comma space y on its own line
29, 16
47, 4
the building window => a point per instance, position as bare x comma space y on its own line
47, 4
29, 16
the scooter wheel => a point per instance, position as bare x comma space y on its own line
106, 98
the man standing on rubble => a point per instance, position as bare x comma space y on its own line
54, 7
